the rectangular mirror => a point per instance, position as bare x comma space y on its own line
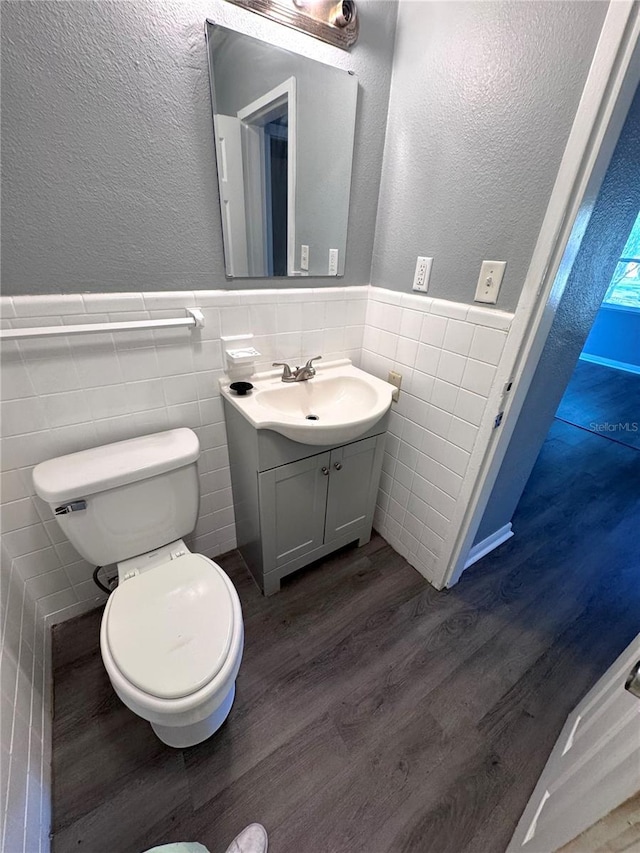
284, 127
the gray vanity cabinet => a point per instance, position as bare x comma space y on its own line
352, 482
295, 503
293, 499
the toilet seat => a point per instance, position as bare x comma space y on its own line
169, 629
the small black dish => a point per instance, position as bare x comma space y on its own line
241, 388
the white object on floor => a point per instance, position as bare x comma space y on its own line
172, 635
252, 839
179, 847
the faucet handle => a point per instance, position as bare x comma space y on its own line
309, 365
286, 370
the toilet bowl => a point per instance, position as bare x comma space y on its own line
172, 634
171, 640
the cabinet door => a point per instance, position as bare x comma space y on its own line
355, 471
292, 508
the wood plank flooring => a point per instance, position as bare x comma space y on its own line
374, 713
605, 400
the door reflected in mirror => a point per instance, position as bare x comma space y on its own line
284, 129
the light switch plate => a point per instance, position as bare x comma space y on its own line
422, 273
304, 257
491, 273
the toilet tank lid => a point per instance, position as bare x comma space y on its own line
111, 465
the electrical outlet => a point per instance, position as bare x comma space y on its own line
422, 273
304, 257
333, 262
395, 379
491, 273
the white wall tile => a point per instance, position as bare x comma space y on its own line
410, 324
52, 375
170, 300
487, 344
458, 336
470, 407
433, 330
451, 367
142, 396
478, 377
70, 407
26, 540
438, 422
422, 385
42, 306
444, 395
37, 562
98, 366
22, 416
6, 307
406, 351
428, 358
16, 514
107, 402
58, 601
139, 364
489, 317
454, 310
101, 302
12, 487
16, 381
44, 585
462, 434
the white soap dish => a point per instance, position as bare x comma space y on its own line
242, 355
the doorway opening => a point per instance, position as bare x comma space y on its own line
603, 394
269, 142
276, 158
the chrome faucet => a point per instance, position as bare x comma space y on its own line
300, 374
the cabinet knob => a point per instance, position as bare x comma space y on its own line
325, 470
338, 466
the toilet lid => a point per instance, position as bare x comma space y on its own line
169, 629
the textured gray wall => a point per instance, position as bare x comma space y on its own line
108, 162
483, 96
613, 216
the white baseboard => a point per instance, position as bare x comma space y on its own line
483, 548
610, 362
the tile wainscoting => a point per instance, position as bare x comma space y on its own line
447, 353
25, 715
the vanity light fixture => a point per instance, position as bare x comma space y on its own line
331, 22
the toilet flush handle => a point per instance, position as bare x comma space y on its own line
72, 506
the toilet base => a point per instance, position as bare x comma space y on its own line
183, 736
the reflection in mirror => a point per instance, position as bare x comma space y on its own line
284, 127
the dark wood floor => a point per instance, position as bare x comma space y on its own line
603, 400
374, 713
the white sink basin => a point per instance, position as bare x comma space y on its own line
339, 404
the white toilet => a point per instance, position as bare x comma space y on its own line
172, 633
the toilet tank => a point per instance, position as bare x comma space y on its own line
124, 499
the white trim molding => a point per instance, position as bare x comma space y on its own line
490, 543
